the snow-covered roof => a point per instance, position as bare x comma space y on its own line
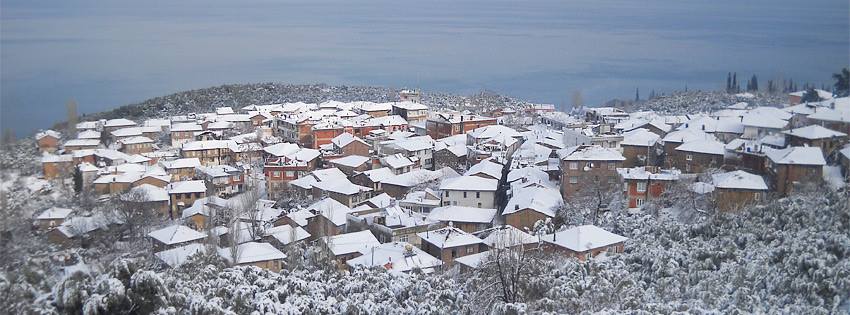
181, 127
470, 183
527, 172
739, 180
505, 236
331, 209
54, 213
397, 161
150, 192
831, 115
595, 153
412, 144
344, 187
286, 234
282, 149
48, 133
462, 214
396, 257
413, 178
763, 121
251, 252
119, 122
135, 140
177, 256
701, 187
540, 199
821, 93
583, 238
176, 234
814, 132
379, 174
88, 134
687, 135
127, 132
345, 139
82, 143
348, 243
208, 144
224, 110
182, 163
494, 131
486, 167
186, 187
640, 173
703, 146
408, 105
52, 158
796, 156
640, 137
351, 160
448, 237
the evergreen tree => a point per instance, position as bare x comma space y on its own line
735, 82
842, 83
78, 180
637, 94
728, 82
810, 95
754, 83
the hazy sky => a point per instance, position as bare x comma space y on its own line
105, 54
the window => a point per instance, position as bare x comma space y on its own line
639, 202
454, 253
464, 194
470, 250
689, 157
625, 187
757, 196
479, 205
290, 173
276, 174
477, 194
573, 165
612, 166
641, 186
573, 179
403, 238
447, 193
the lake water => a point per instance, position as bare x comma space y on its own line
105, 54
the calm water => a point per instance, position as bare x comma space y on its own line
109, 53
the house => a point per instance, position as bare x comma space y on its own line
262, 255
327, 217
453, 156
397, 257
349, 245
372, 178
441, 125
150, 197
732, 190
52, 218
835, 119
374, 109
588, 169
844, 161
303, 186
583, 242
640, 184
184, 132
399, 185
181, 169
174, 236
352, 164
507, 236
640, 148
490, 141
449, 243
469, 191
816, 136
422, 201
465, 218
486, 169
419, 149
532, 204
795, 98
286, 163
343, 191
80, 144
198, 214
391, 223
57, 166
210, 152
399, 163
413, 112
762, 121
118, 123
794, 166
676, 138
179, 255
347, 144
136, 145
183, 194
223, 180
698, 156
48, 140
283, 235
78, 229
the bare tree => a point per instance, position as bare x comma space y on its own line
137, 212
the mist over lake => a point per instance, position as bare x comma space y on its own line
104, 54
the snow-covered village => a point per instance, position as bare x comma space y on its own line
408, 202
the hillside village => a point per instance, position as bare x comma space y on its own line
409, 188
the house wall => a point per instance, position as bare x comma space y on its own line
698, 163
524, 219
486, 199
603, 175
355, 148
445, 158
182, 201
633, 154
48, 144
784, 177
733, 199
